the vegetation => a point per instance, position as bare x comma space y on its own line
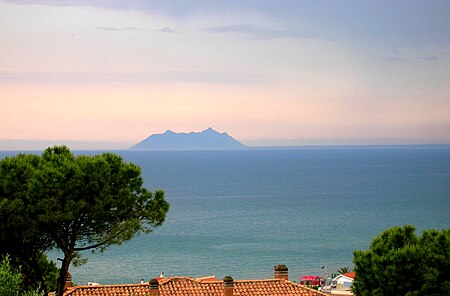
400, 263
73, 204
344, 269
11, 281
20, 233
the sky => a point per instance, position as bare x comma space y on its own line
107, 74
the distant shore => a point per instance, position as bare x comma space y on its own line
35, 145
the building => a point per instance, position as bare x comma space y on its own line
311, 280
344, 280
206, 286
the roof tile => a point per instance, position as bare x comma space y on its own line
186, 286
350, 274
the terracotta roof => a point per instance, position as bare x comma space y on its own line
207, 279
187, 286
350, 274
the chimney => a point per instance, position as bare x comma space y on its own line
228, 286
281, 272
153, 286
68, 281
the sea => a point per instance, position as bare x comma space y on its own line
240, 212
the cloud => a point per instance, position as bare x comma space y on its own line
398, 57
116, 29
108, 28
259, 32
410, 23
167, 30
430, 58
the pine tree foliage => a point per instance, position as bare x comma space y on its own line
400, 263
75, 203
11, 281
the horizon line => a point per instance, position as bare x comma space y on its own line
306, 146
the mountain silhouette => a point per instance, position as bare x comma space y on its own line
206, 140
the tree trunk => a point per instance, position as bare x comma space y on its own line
63, 272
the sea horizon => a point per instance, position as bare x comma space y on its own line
331, 146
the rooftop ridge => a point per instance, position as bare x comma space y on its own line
107, 285
208, 279
202, 280
102, 289
163, 281
258, 280
71, 290
308, 288
173, 285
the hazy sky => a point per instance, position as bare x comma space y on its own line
267, 72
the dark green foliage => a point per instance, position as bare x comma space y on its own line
50, 273
41, 274
436, 247
21, 236
400, 263
343, 270
76, 203
11, 281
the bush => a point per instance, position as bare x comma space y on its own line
11, 281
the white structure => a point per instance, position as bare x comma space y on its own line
344, 280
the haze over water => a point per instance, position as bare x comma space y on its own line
241, 212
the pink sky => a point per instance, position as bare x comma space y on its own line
118, 74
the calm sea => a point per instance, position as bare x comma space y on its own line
241, 212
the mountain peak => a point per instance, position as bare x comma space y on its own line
208, 139
210, 130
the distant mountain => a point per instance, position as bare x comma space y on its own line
205, 140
